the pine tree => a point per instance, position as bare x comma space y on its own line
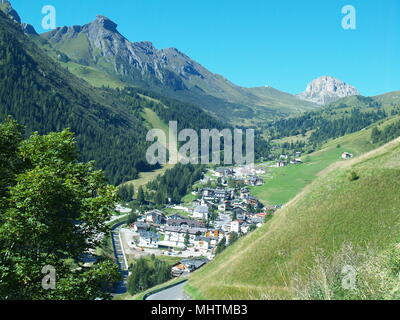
187, 239
141, 198
221, 246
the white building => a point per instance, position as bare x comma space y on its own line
222, 207
177, 235
202, 243
155, 216
148, 239
235, 226
346, 155
200, 212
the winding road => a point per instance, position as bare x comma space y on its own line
173, 293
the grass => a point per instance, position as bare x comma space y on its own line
189, 198
93, 76
167, 259
283, 184
154, 121
76, 48
170, 211
146, 177
370, 276
294, 139
329, 213
193, 292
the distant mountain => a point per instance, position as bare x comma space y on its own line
169, 72
326, 89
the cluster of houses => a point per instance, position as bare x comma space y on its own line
214, 216
249, 175
186, 266
196, 229
285, 160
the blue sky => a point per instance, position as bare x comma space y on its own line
284, 44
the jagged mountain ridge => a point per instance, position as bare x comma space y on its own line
326, 89
168, 71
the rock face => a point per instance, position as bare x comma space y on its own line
326, 89
28, 29
6, 7
101, 45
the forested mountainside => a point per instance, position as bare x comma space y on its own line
342, 117
44, 97
110, 129
186, 115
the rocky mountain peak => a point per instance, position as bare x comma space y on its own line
28, 29
326, 89
106, 23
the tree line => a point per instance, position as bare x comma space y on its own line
175, 183
324, 127
147, 273
387, 134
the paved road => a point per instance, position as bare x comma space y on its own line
174, 293
119, 257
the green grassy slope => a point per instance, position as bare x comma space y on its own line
391, 99
93, 76
153, 121
330, 212
387, 101
280, 101
282, 184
